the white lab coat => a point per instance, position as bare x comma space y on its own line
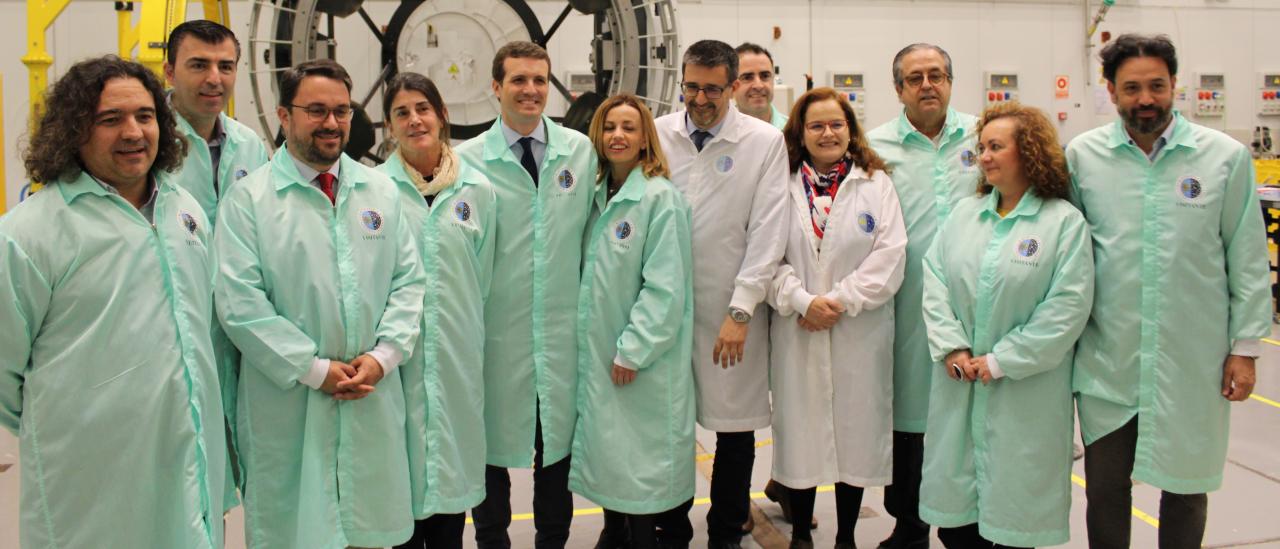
833, 389
737, 188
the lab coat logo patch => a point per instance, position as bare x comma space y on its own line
240, 173
724, 164
967, 158
565, 180
188, 222
372, 220
1029, 247
462, 211
623, 230
1189, 187
866, 222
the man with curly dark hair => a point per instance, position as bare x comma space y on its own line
110, 255
1182, 298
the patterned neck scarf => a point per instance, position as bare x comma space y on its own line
820, 190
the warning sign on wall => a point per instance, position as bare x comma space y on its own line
1062, 86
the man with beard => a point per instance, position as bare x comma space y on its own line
543, 175
320, 287
1181, 298
106, 366
754, 94
733, 169
929, 149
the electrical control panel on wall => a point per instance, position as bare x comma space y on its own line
1210, 94
1002, 86
1269, 94
851, 85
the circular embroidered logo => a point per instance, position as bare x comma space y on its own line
462, 211
1029, 247
1189, 187
372, 220
623, 230
967, 158
724, 164
867, 222
188, 222
565, 180
240, 173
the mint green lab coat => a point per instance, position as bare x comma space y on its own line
298, 279
530, 356
930, 180
1182, 273
242, 152
633, 449
1020, 289
107, 373
444, 379
776, 118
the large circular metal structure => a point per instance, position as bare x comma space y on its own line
633, 49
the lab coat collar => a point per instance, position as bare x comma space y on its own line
219, 128
730, 128
1182, 135
285, 173
1028, 206
82, 184
496, 147
632, 189
951, 126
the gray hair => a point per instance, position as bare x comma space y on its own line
712, 54
897, 60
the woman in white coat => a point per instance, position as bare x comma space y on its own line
831, 371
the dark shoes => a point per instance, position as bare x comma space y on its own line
801, 544
901, 540
777, 493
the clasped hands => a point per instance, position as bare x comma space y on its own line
354, 380
823, 313
969, 368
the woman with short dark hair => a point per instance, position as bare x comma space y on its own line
451, 207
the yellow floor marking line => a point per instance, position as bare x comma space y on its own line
1155, 522
1265, 400
1271, 341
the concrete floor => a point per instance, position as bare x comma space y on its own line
1244, 513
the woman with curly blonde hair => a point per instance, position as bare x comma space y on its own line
1008, 287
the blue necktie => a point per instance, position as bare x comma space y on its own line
700, 138
526, 159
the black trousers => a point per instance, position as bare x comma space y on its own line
731, 485
965, 537
848, 503
902, 498
1108, 467
674, 529
626, 531
437, 532
552, 504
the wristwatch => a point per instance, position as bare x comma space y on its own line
738, 315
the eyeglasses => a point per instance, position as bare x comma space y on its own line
819, 128
691, 91
749, 77
917, 79
320, 113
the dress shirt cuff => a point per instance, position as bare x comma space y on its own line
1247, 347
993, 366
387, 356
617, 359
315, 377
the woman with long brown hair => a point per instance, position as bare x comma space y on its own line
633, 446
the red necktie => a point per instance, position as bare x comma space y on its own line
327, 181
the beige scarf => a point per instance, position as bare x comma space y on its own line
445, 173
